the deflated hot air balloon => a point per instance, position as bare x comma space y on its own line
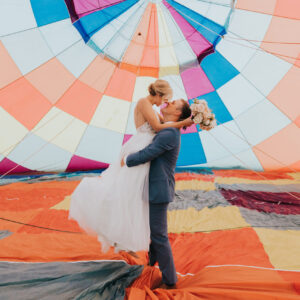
71, 73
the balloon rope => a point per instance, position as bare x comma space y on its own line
216, 3
36, 226
222, 36
263, 50
257, 41
205, 231
256, 47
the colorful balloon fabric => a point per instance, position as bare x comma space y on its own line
223, 248
72, 72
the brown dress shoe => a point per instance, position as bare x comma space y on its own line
168, 287
156, 285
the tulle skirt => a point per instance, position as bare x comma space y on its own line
115, 206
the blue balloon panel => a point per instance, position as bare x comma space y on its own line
49, 11
191, 151
218, 69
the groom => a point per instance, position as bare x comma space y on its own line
163, 154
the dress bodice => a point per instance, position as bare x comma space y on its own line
146, 127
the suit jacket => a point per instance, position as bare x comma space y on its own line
163, 153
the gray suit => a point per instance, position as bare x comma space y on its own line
163, 153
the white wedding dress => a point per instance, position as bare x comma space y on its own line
115, 206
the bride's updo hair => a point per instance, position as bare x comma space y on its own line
160, 87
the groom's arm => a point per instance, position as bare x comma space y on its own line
163, 141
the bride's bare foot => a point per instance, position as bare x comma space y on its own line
132, 253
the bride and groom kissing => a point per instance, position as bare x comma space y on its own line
127, 206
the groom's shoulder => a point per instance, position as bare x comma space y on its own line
169, 133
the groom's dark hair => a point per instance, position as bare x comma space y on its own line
185, 111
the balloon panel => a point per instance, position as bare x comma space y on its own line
221, 211
72, 72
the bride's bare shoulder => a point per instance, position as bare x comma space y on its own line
141, 101
139, 104
144, 103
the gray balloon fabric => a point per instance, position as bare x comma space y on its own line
4, 234
272, 188
66, 280
270, 220
197, 199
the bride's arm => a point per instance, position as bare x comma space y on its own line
146, 109
161, 119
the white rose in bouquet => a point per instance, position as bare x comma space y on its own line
198, 118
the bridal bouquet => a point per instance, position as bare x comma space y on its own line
202, 115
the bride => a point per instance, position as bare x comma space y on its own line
115, 206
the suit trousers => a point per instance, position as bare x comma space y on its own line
160, 250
